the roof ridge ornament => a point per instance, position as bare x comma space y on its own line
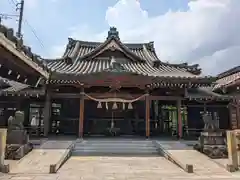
113, 33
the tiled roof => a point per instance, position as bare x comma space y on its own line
18, 49
82, 57
13, 86
95, 66
16, 88
78, 50
227, 80
205, 93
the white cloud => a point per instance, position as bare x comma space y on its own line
207, 33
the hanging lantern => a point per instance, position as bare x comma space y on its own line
106, 105
130, 106
114, 106
99, 106
123, 106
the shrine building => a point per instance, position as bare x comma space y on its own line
108, 88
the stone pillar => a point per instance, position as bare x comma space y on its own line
47, 113
81, 113
3, 139
179, 116
147, 116
232, 151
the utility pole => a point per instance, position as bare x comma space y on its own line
20, 8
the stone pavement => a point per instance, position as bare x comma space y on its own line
202, 165
39, 160
120, 168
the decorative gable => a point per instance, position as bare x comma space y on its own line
116, 67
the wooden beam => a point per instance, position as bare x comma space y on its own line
166, 98
76, 95
15, 75
147, 116
65, 95
81, 114
207, 106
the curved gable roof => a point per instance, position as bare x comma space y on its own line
78, 50
78, 53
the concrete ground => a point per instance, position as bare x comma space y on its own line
120, 168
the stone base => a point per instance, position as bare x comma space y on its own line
215, 152
16, 151
212, 138
212, 133
212, 144
5, 168
17, 137
231, 168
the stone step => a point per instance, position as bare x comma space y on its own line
120, 152
118, 142
97, 145
122, 143
114, 147
115, 150
136, 148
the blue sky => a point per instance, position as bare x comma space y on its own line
197, 31
53, 19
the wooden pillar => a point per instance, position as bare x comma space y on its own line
230, 110
81, 114
147, 116
234, 110
204, 108
238, 111
47, 113
179, 116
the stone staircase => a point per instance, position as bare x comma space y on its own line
114, 147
